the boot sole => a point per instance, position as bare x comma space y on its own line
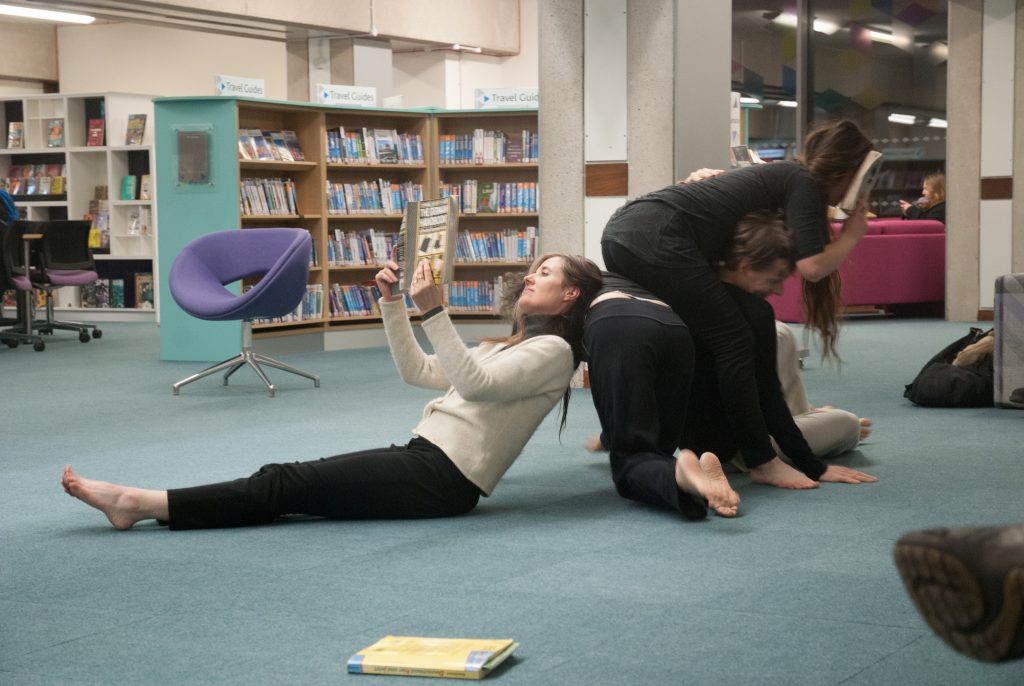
950, 599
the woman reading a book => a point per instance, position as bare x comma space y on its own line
931, 204
646, 386
670, 241
494, 397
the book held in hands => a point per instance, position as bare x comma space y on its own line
863, 182
451, 658
427, 232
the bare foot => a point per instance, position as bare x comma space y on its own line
865, 428
123, 505
777, 473
706, 479
594, 444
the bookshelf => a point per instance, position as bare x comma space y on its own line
126, 231
360, 167
901, 180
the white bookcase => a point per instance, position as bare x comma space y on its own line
86, 168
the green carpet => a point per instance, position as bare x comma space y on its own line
800, 589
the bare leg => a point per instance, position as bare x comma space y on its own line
705, 478
594, 444
123, 505
775, 472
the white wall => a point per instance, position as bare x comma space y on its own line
449, 79
135, 58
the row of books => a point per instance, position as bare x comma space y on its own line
36, 179
136, 187
474, 296
474, 197
489, 147
110, 293
256, 144
35, 185
373, 146
95, 134
311, 307
263, 197
356, 248
354, 300
379, 196
507, 245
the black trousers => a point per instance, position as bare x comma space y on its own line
401, 482
692, 288
640, 361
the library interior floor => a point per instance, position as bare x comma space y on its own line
799, 589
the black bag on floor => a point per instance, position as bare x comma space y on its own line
940, 384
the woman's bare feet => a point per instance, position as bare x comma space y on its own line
775, 472
594, 444
865, 428
123, 505
706, 479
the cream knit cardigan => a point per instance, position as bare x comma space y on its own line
495, 396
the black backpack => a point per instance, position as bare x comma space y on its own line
940, 384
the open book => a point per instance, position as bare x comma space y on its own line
428, 232
451, 658
863, 182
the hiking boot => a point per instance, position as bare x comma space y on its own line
968, 585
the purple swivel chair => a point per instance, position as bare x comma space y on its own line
280, 257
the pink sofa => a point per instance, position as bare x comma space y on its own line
897, 262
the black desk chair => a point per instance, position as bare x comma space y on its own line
11, 253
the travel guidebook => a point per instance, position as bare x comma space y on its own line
451, 658
427, 233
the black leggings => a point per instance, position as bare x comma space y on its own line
692, 288
640, 361
400, 482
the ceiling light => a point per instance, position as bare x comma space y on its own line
48, 15
787, 103
820, 25
747, 100
937, 123
897, 118
881, 36
464, 48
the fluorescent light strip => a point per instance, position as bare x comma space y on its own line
897, 118
787, 103
820, 25
881, 36
47, 15
937, 123
748, 100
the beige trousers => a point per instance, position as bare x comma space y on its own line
829, 432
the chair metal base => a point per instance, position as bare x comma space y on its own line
246, 357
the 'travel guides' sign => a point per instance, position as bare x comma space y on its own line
357, 96
498, 98
239, 86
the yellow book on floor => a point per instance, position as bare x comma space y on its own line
452, 658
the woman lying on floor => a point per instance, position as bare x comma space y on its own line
495, 396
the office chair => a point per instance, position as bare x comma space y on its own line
280, 257
66, 260
17, 276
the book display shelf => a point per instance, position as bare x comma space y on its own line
65, 157
345, 175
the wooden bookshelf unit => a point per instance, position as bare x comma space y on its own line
359, 168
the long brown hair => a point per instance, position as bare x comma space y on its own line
762, 239
832, 153
577, 271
